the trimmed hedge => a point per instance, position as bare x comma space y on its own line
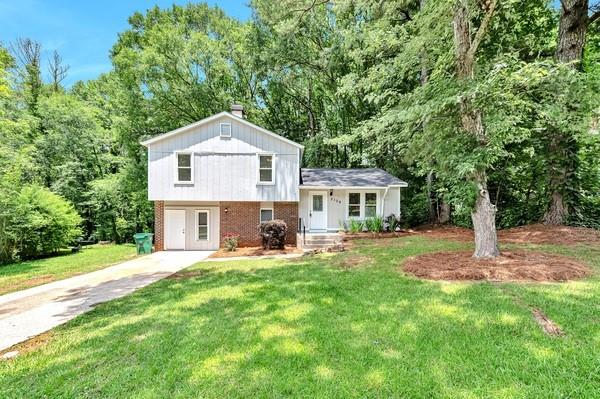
273, 234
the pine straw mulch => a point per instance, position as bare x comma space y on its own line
254, 251
530, 234
516, 265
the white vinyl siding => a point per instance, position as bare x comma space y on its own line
223, 170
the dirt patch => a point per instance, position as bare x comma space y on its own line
542, 234
510, 266
351, 261
30, 345
550, 327
361, 235
187, 274
444, 232
254, 251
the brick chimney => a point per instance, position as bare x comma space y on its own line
238, 110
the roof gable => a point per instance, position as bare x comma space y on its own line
194, 125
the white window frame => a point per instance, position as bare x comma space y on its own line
191, 154
273, 159
198, 212
363, 203
221, 125
266, 209
360, 201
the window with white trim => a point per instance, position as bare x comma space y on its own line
225, 129
202, 226
266, 214
184, 167
354, 205
265, 168
370, 205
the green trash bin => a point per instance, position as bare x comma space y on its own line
143, 243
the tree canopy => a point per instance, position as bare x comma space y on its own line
457, 97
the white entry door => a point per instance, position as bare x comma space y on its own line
174, 229
318, 210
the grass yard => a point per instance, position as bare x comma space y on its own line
332, 325
28, 274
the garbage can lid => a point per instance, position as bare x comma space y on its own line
140, 236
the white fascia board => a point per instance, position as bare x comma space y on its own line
183, 129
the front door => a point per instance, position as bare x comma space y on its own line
318, 210
174, 229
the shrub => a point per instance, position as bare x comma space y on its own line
393, 222
273, 234
375, 224
355, 226
230, 241
40, 224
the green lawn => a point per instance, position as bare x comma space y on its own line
23, 275
316, 327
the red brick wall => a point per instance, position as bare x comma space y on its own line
241, 218
159, 225
288, 212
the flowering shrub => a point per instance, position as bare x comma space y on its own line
273, 234
230, 241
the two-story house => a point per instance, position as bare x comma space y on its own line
224, 175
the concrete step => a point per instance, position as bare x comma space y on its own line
319, 246
322, 241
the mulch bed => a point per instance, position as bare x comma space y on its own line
542, 234
530, 234
515, 265
361, 235
254, 251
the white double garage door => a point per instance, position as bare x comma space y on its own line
191, 228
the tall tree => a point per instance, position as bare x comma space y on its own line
466, 46
57, 70
27, 53
562, 146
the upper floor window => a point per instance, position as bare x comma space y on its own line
265, 168
225, 129
184, 167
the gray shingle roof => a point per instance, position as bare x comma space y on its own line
365, 177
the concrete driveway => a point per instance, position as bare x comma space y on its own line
25, 314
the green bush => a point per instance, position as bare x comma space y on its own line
230, 241
375, 224
273, 234
35, 223
355, 226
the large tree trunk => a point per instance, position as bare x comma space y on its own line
484, 214
484, 221
571, 41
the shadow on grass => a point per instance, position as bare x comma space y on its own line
303, 328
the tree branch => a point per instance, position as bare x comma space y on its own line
482, 30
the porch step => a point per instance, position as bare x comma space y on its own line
320, 240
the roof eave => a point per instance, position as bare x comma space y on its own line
183, 129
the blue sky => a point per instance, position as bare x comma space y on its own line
83, 31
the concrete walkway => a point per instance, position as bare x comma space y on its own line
25, 314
